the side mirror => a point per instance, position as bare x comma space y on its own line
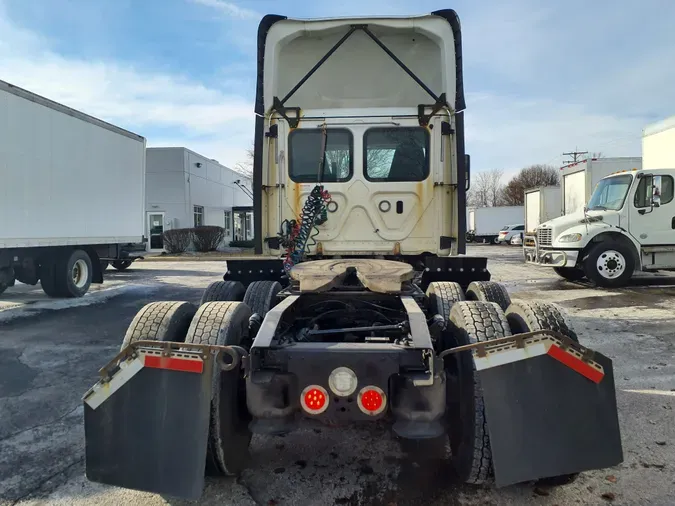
467, 172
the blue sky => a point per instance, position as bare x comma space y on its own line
541, 77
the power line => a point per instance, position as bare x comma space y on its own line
575, 156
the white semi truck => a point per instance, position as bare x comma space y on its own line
541, 204
72, 197
484, 223
579, 179
354, 308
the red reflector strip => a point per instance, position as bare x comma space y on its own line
174, 364
576, 364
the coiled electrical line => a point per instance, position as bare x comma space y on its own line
297, 236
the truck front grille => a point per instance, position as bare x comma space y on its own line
544, 236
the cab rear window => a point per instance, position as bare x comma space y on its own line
396, 154
305, 152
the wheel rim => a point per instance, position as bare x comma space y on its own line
80, 273
611, 264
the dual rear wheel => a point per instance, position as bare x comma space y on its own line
488, 314
221, 319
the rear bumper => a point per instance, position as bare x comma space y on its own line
413, 382
548, 256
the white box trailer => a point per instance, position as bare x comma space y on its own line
541, 204
485, 223
579, 179
72, 196
658, 145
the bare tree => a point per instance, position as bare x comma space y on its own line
529, 177
246, 167
486, 189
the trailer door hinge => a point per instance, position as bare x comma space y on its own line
273, 132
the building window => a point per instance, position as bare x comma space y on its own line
199, 216
228, 223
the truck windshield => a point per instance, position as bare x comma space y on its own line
610, 193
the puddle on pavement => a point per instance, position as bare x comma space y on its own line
631, 298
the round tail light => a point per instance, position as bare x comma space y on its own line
372, 400
314, 399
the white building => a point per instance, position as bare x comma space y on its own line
186, 190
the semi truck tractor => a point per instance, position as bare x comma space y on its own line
72, 196
628, 225
578, 180
360, 306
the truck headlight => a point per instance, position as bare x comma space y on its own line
570, 238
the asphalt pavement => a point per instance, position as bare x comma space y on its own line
50, 352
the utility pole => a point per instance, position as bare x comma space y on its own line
575, 156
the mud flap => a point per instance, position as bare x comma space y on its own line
147, 428
549, 413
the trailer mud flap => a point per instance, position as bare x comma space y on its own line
550, 410
146, 426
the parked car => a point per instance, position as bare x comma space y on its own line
517, 240
507, 233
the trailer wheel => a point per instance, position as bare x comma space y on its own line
489, 291
570, 273
442, 296
609, 264
470, 322
3, 287
223, 291
225, 323
160, 321
122, 265
72, 273
261, 296
530, 316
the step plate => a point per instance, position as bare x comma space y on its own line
151, 433
546, 419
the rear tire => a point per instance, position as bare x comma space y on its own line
223, 291
442, 296
225, 323
489, 291
47, 270
570, 273
160, 321
3, 287
122, 265
470, 322
530, 316
72, 273
261, 296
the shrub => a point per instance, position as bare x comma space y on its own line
242, 244
207, 238
177, 240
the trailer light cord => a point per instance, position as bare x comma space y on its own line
297, 236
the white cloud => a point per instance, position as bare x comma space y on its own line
228, 8
135, 99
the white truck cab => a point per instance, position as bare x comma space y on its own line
627, 225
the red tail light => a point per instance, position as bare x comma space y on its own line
372, 400
314, 399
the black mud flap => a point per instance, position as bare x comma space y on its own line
547, 419
151, 433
